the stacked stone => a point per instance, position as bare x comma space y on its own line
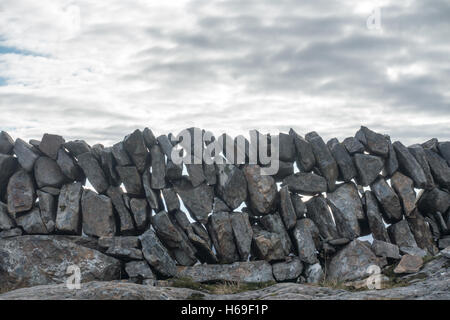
342, 191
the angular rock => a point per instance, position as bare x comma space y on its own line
421, 157
195, 173
401, 235
126, 222
409, 264
299, 205
139, 269
287, 270
6, 222
353, 145
166, 145
221, 232
285, 169
97, 213
203, 246
444, 243
431, 144
273, 223
374, 218
175, 172
11, 233
96, 151
123, 253
108, 164
25, 154
446, 252
120, 155
158, 168
385, 249
324, 160
444, 150
319, 213
50, 144
157, 255
388, 199
141, 212
267, 245
77, 147
21, 193
404, 187
171, 199
287, 210
305, 156
375, 143
92, 170
210, 173
347, 210
8, 165
314, 273
434, 200
241, 272
47, 205
153, 198
369, 167
306, 183
68, 165
347, 170
48, 173
136, 149
414, 251
391, 164
351, 263
243, 233
198, 200
231, 185
6, 143
439, 169
421, 231
286, 147
149, 138
262, 190
305, 234
124, 242
409, 166
131, 179
68, 211
21, 266
31, 222
51, 190
220, 206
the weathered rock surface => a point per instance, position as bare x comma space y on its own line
319, 213
369, 167
287, 210
47, 205
306, 236
126, 222
439, 169
409, 165
68, 166
268, 246
157, 255
141, 213
306, 183
287, 270
97, 215
409, 264
273, 223
26, 156
21, 193
31, 222
388, 199
221, 232
68, 211
434, 200
6, 222
421, 231
262, 190
231, 185
391, 163
198, 200
8, 165
50, 144
305, 156
135, 147
47, 173
385, 249
374, 142
139, 269
419, 153
243, 233
131, 180
347, 170
92, 170
404, 187
401, 235
77, 147
158, 168
6, 143
353, 145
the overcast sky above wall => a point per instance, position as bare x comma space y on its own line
97, 70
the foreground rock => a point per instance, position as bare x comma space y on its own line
35, 260
262, 189
409, 264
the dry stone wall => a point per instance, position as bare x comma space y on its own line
301, 223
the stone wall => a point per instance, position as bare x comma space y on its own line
244, 226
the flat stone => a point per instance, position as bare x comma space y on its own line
375, 143
347, 210
314, 273
374, 218
220, 206
444, 243
141, 212
444, 150
149, 138
21, 193
136, 149
50, 144
6, 222
231, 185
77, 147
243, 233
273, 223
353, 145
158, 168
385, 249
299, 205
68, 211
51, 190
123, 242
391, 163
319, 212
68, 166
287, 210
404, 187
198, 200
91, 168
434, 200
446, 252
324, 160
401, 234
125, 254
97, 213
210, 173
171, 199
306, 183
439, 169
48, 173
126, 222
305, 156
351, 263
421, 157
6, 143
47, 205
120, 155
414, 251
25, 154
287, 270
153, 197
203, 247
157, 255
267, 245
305, 234
421, 231
287, 150
108, 164
431, 144
347, 169
175, 171
31, 222
409, 264
409, 166
369, 167
285, 169
139, 269
388, 199
131, 179
8, 165
262, 190
221, 232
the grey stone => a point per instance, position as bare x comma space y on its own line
8, 165
404, 187
441, 222
51, 190
108, 164
319, 213
203, 245
96, 151
439, 169
273, 223
446, 252
123, 242
68, 210
221, 232
158, 168
306, 183
126, 222
97, 214
267, 245
353, 145
21, 193
305, 234
77, 147
444, 150
14, 232
25, 154
231, 185
444, 243
414, 251
6, 222
47, 205
50, 144
374, 218
431, 144
92, 170
153, 198
314, 273
421, 231
369, 167
243, 233
262, 190
409, 264
131, 179
391, 163
171, 199
210, 173
286, 147
287, 210
220, 206
149, 138
6, 143
287, 270
409, 165
120, 155
299, 205
388, 199
166, 145
401, 234
31, 222
136, 149
385, 249
68, 165
434, 200
47, 173
351, 263
305, 156
139, 269
375, 143
126, 254
324, 160
347, 170
141, 212
198, 200
175, 171
285, 169
157, 255
195, 173
419, 154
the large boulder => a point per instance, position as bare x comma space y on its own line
390, 203
262, 190
231, 185
287, 270
157, 255
77, 147
409, 165
120, 155
374, 218
347, 170
136, 149
196, 173
25, 153
47, 173
68, 166
243, 233
273, 223
68, 210
434, 200
221, 231
401, 234
439, 169
419, 154
98, 215
404, 187
319, 212
306, 236
305, 183
422, 233
375, 143
50, 144
141, 212
198, 200
369, 167
267, 245
21, 193
6, 143
31, 222
92, 170
37, 260
385, 249
353, 145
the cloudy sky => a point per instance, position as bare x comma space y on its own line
96, 70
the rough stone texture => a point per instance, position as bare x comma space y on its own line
401, 235
15, 232
243, 233
353, 145
421, 231
347, 170
158, 168
68, 165
439, 169
319, 213
97, 214
347, 210
77, 147
139, 269
108, 164
231, 185
131, 180
409, 166
141, 213
305, 236
285, 169
8, 165
404, 187
171, 199
68, 210
120, 155
126, 222
50, 144
6, 143
31, 222
369, 167
6, 222
286, 147
135, 147
299, 205
273, 223
287, 210
324, 160
305, 156
25, 154
36, 260
220, 206
391, 163
221, 232
195, 173
157, 255
21, 193
385, 249
262, 190
409, 264
92, 170
47, 205
314, 273
374, 218
306, 183
374, 142
287, 270
414, 251
198, 200
149, 138
444, 150
267, 245
351, 262
166, 145
153, 198
388, 199
419, 154
47, 173
434, 200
